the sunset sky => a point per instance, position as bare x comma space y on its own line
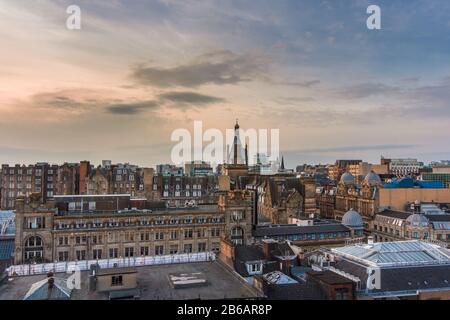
137, 70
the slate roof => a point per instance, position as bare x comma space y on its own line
250, 253
329, 277
415, 278
296, 291
40, 290
394, 214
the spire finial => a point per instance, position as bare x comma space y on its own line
237, 124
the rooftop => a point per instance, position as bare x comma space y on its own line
396, 253
154, 284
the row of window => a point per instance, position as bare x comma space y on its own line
312, 236
386, 230
115, 223
38, 172
130, 252
144, 236
182, 194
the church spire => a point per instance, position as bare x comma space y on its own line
282, 163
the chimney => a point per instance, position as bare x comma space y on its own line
51, 282
268, 245
417, 207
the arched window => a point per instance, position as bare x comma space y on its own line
33, 249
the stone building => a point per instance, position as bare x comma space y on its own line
363, 198
21, 180
391, 225
82, 227
284, 196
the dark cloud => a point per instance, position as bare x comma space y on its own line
217, 67
56, 100
132, 108
189, 98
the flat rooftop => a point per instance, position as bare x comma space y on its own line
154, 284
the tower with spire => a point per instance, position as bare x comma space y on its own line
237, 160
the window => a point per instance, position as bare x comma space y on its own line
81, 254
144, 251
145, 236
63, 256
201, 247
116, 281
159, 236
237, 215
129, 252
173, 235
215, 232
97, 253
188, 248
201, 233
129, 237
215, 247
33, 242
188, 234
173, 249
159, 250
35, 223
254, 268
113, 253
63, 241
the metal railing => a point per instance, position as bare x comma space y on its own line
70, 266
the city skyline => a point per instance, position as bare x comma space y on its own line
118, 87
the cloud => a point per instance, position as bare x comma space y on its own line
217, 67
78, 101
189, 98
358, 148
132, 108
365, 90
174, 99
302, 84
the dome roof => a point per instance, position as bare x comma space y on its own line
352, 219
417, 220
347, 178
372, 179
